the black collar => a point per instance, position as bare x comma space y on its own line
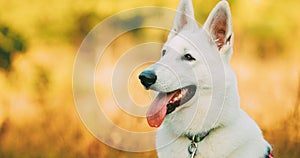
198, 137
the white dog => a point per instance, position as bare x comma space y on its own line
197, 103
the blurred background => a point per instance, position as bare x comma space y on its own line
38, 45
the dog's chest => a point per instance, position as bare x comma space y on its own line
176, 149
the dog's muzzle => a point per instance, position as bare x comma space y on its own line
147, 78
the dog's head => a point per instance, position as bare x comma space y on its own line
183, 73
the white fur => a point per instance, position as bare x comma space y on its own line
236, 134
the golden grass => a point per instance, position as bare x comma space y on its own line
38, 116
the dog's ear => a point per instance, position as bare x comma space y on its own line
184, 18
219, 26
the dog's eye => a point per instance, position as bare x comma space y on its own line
163, 52
189, 57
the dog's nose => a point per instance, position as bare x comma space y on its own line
147, 78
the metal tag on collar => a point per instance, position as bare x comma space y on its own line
193, 147
195, 139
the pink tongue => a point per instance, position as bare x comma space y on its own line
158, 109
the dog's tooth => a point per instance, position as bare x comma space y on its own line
183, 92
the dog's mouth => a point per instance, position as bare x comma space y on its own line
166, 103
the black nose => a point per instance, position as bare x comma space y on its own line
147, 78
